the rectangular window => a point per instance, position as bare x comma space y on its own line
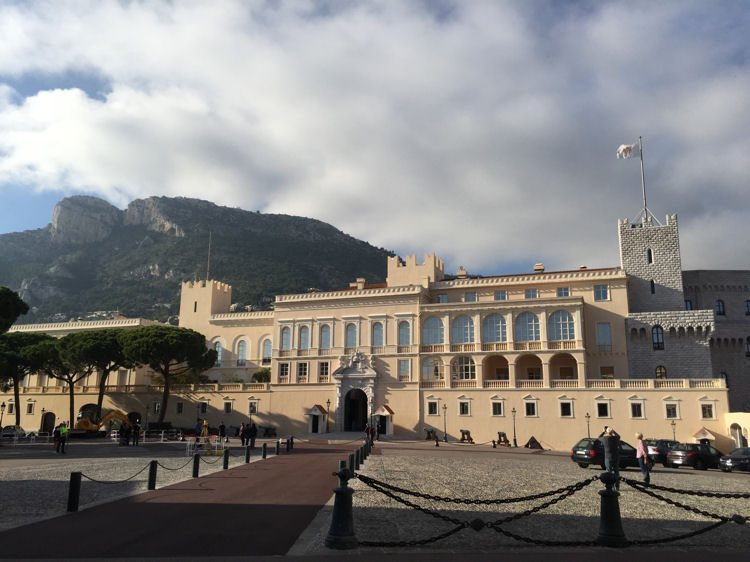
252, 407
301, 371
403, 367
501, 295
602, 409
607, 372
204, 407
563, 292
688, 305
707, 411
227, 407
11, 408
636, 410
464, 408
442, 299
497, 408
531, 293
566, 409
671, 411
530, 409
29, 407
323, 370
604, 336
157, 407
470, 297
180, 408
283, 370
601, 292
432, 408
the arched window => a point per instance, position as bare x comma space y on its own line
493, 329
527, 327
657, 337
464, 368
661, 372
720, 307
404, 333
241, 353
219, 350
304, 337
377, 334
286, 338
561, 326
351, 335
463, 330
432, 331
267, 352
431, 370
325, 336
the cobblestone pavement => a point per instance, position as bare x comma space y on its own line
483, 473
34, 479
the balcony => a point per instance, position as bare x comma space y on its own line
463, 347
438, 348
496, 384
498, 346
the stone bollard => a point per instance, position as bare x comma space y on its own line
152, 474
610, 524
341, 533
247, 454
264, 450
196, 464
74, 491
225, 463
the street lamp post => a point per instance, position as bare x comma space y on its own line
328, 412
588, 424
674, 425
445, 423
513, 411
2, 414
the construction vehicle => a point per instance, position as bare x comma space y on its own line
87, 424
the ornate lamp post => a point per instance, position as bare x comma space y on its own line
328, 412
2, 413
674, 425
513, 411
588, 424
445, 423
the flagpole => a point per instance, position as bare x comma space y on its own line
643, 181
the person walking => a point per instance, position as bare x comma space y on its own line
611, 442
136, 433
222, 432
63, 436
242, 433
56, 437
642, 457
252, 434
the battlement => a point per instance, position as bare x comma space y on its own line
409, 272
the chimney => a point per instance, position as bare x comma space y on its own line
538, 268
462, 273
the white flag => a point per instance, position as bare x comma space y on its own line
628, 150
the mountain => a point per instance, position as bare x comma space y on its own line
95, 257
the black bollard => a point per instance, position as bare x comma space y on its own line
264, 450
494, 445
288, 445
342, 466
277, 447
351, 462
196, 464
357, 458
225, 464
610, 524
74, 491
341, 533
291, 442
247, 454
152, 475
437, 443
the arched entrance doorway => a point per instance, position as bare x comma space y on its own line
48, 423
739, 438
355, 410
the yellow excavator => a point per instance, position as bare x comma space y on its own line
85, 423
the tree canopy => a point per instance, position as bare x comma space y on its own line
11, 307
14, 366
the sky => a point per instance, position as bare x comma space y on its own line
483, 131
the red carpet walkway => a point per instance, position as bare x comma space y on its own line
255, 509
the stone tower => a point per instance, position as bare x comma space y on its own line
650, 256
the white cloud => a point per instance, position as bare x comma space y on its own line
483, 131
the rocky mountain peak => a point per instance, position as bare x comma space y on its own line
80, 219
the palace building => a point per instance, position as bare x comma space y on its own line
556, 355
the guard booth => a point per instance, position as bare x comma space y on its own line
316, 422
384, 420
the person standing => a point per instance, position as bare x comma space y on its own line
243, 436
63, 436
56, 437
136, 433
642, 457
611, 442
252, 434
222, 432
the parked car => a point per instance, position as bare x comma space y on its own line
590, 451
657, 449
697, 455
10, 431
739, 459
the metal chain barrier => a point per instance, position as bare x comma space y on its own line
114, 481
476, 524
217, 459
639, 484
178, 468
